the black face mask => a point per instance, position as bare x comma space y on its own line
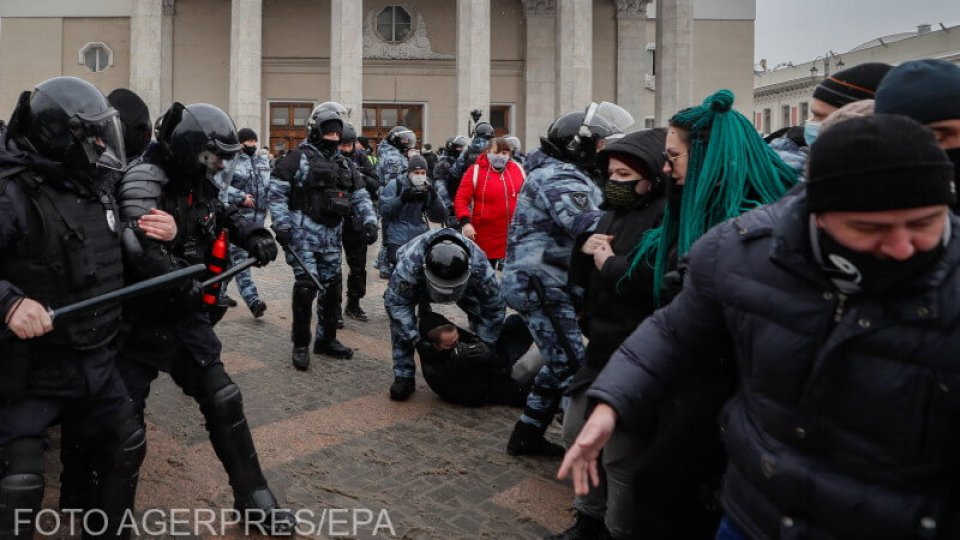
869, 274
327, 147
620, 195
250, 150
954, 155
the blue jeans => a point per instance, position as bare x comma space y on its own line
729, 531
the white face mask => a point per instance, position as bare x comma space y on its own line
418, 180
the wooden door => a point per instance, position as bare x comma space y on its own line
500, 119
380, 118
288, 125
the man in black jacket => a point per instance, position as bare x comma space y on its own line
840, 308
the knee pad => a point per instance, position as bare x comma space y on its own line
132, 449
304, 291
225, 406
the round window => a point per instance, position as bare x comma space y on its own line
393, 24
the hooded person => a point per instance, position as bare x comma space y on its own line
929, 92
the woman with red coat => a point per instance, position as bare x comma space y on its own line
487, 197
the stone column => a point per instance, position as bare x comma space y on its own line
674, 58
146, 22
166, 55
245, 50
574, 37
632, 57
473, 60
346, 56
539, 64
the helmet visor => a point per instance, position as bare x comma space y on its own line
225, 150
408, 138
446, 291
100, 135
599, 115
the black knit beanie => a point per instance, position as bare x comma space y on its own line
247, 134
854, 84
875, 163
925, 90
417, 162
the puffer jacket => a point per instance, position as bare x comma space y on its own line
846, 422
490, 205
404, 221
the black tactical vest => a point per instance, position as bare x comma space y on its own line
325, 194
74, 256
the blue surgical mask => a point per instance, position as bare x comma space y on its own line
810, 131
497, 161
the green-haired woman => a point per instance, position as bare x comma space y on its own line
718, 168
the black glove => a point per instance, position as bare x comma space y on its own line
408, 195
284, 236
372, 232
263, 248
477, 353
189, 293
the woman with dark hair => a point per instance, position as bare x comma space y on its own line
661, 481
487, 198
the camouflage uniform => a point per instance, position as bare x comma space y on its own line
317, 244
482, 301
558, 203
246, 175
391, 165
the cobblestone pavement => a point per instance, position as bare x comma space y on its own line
330, 438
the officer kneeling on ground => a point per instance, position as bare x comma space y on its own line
445, 267
60, 244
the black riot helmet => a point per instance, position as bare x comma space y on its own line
402, 138
341, 111
348, 135
199, 138
135, 119
484, 131
455, 145
67, 120
446, 266
323, 119
574, 136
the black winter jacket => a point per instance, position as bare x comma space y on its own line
846, 428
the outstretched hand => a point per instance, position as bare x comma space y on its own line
580, 462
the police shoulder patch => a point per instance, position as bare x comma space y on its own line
580, 199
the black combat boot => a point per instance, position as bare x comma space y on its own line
257, 308
527, 440
354, 311
331, 346
233, 444
301, 358
584, 528
401, 388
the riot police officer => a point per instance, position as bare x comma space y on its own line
441, 173
392, 165
173, 331
311, 190
355, 237
60, 243
483, 132
440, 266
558, 203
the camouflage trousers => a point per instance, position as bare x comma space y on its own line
248, 289
554, 377
325, 266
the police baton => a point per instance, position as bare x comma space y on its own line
303, 265
125, 293
230, 272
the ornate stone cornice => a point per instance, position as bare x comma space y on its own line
539, 7
416, 46
169, 7
632, 9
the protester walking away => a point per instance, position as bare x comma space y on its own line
392, 165
487, 199
247, 184
483, 132
311, 191
834, 91
856, 281
173, 331
357, 235
615, 302
439, 266
558, 203
927, 91
60, 243
407, 204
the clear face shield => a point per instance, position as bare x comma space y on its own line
445, 292
215, 153
100, 136
599, 122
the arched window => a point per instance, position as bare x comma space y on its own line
393, 24
96, 56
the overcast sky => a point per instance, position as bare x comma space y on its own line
800, 30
